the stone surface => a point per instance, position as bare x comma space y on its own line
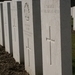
74, 24
2, 41
72, 11
6, 27
9, 26
56, 37
32, 36
47, 36
73, 18
17, 31
1, 37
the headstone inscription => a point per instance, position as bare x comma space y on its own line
17, 31
32, 42
2, 41
6, 27
56, 37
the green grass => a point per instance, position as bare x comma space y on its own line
73, 52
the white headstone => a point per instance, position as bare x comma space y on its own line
17, 30
32, 43
9, 25
1, 37
47, 36
73, 9
56, 37
6, 26
2, 41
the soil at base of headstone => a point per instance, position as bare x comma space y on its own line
8, 65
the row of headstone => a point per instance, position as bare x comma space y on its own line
73, 16
38, 33
17, 30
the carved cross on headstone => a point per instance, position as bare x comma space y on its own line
28, 51
14, 29
50, 41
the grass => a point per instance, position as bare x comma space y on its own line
73, 52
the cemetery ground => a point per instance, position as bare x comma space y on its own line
8, 65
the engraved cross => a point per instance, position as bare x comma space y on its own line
27, 47
50, 42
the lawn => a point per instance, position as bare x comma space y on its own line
73, 52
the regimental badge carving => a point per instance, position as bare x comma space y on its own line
26, 11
